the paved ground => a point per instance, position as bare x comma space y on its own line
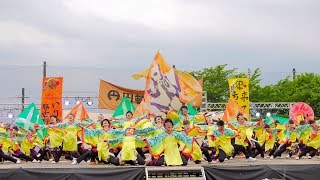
238, 161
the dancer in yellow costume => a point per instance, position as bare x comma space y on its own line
70, 131
101, 140
178, 119
313, 142
6, 156
222, 141
244, 133
164, 146
197, 151
10, 144
32, 146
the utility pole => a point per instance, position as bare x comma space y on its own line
44, 69
22, 98
294, 73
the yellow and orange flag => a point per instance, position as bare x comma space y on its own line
197, 101
166, 88
239, 92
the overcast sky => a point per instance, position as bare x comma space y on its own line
85, 40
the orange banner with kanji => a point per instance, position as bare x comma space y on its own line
110, 95
239, 92
51, 102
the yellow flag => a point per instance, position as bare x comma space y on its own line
239, 92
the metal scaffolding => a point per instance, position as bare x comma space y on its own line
253, 105
208, 106
15, 109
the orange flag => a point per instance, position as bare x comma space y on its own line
74, 111
232, 110
83, 115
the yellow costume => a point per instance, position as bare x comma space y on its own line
223, 140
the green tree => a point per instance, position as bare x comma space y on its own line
304, 88
215, 81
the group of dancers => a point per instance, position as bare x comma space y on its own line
173, 140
